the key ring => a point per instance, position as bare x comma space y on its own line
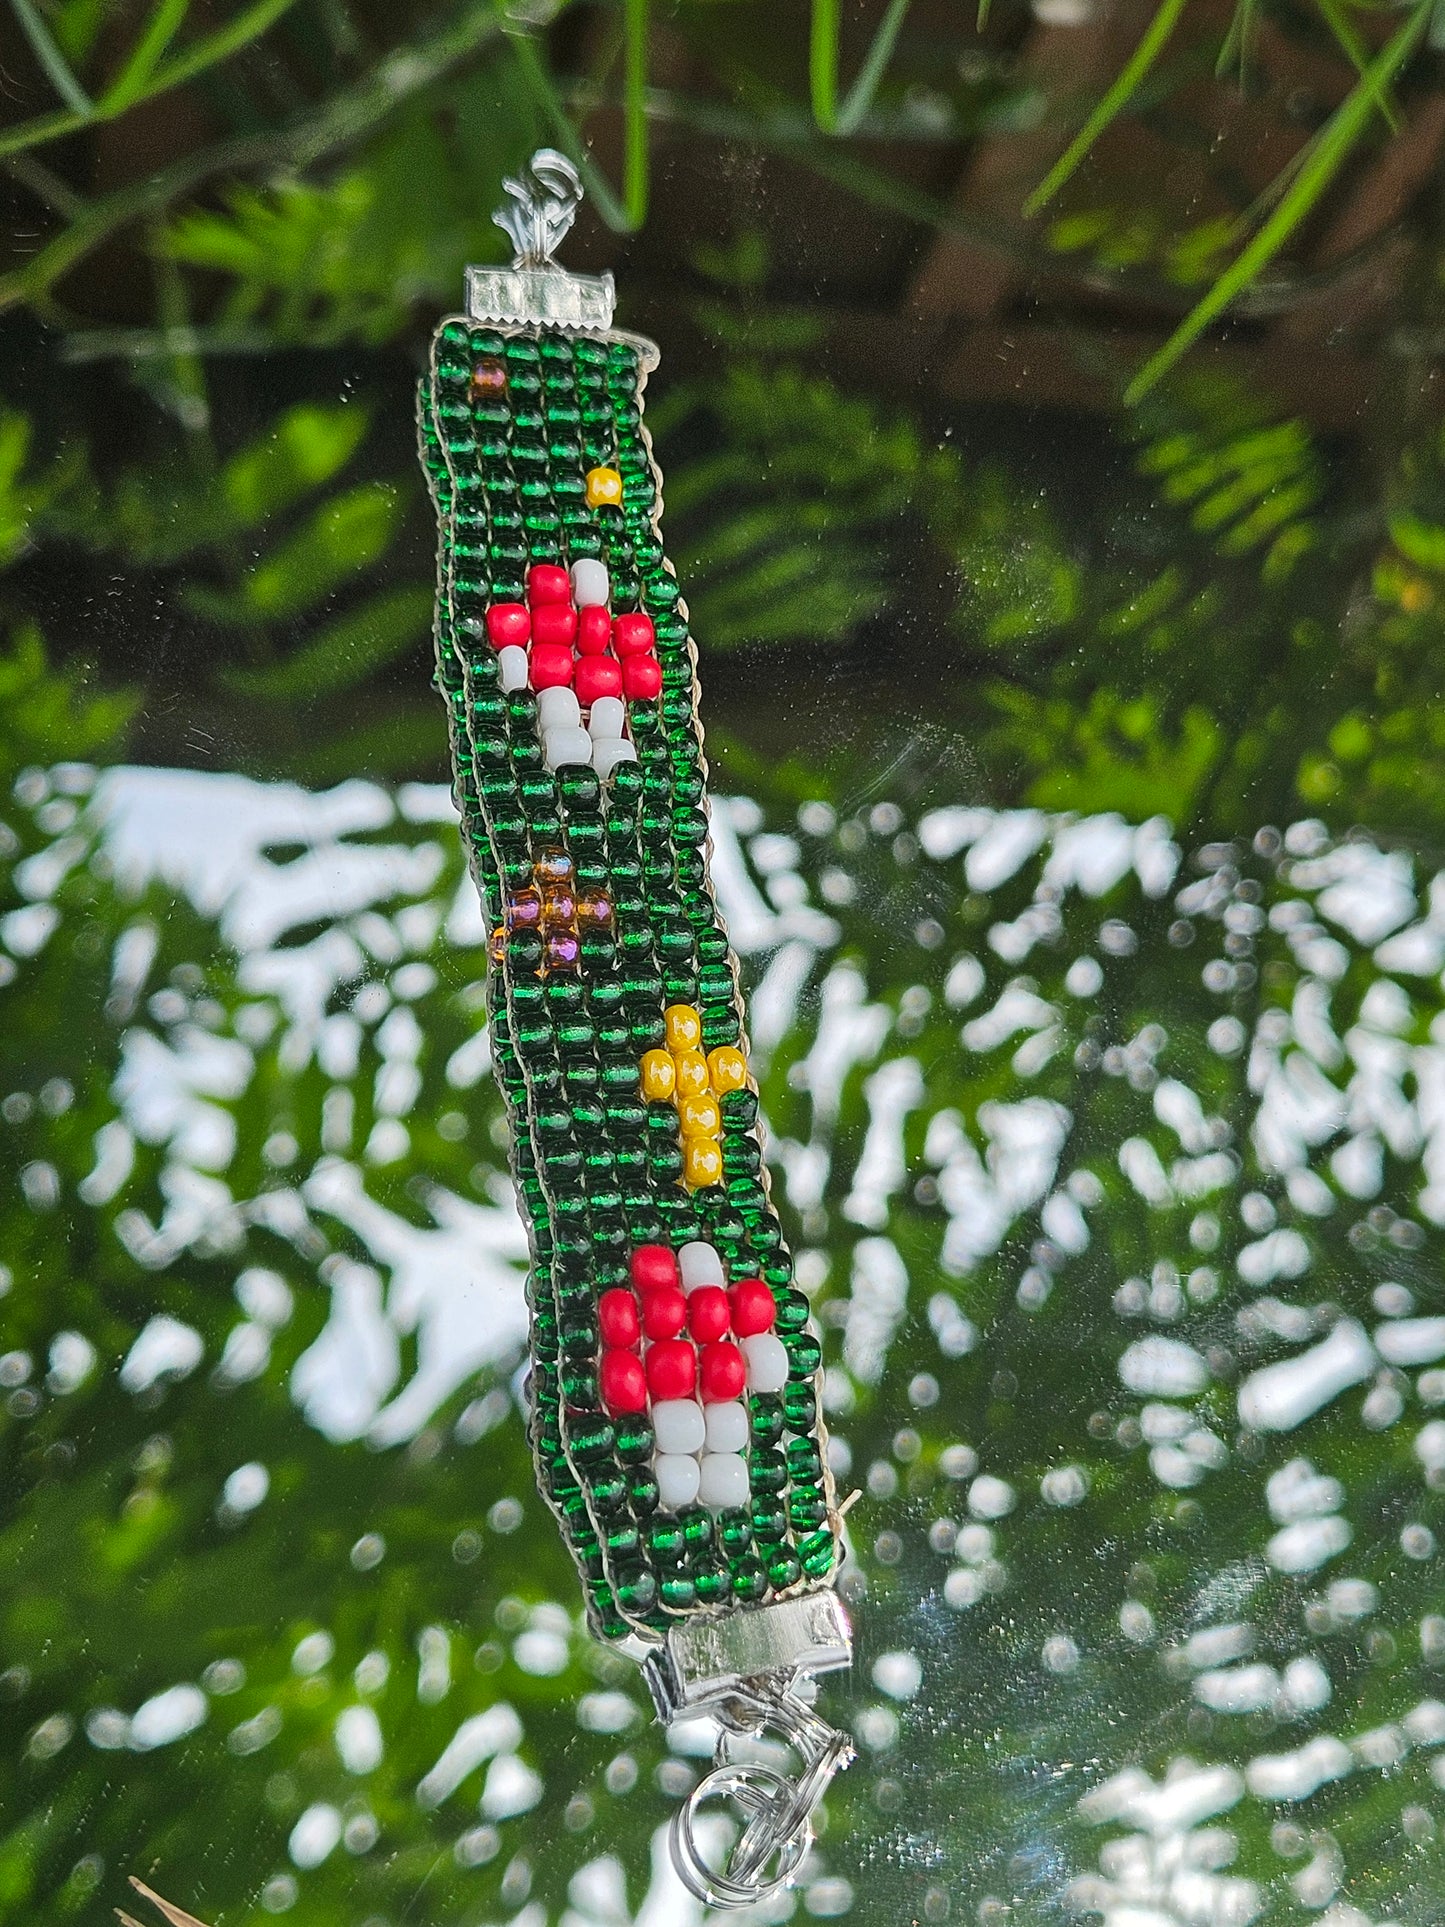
779, 1830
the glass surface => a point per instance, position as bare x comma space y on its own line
1076, 819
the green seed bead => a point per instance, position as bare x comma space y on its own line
764, 1234
765, 1418
750, 1580
604, 1611
715, 983
697, 1528
735, 1530
720, 1025
741, 1157
767, 1471
806, 1509
739, 1110
768, 1518
805, 1466
805, 1354
800, 1407
579, 1390
606, 1488
634, 1438
784, 1570
678, 1592
792, 1308
818, 1553
665, 1162
592, 1439
713, 1582
578, 1338
636, 1590
623, 1539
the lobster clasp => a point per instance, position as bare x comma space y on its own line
744, 1670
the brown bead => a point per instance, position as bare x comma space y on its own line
524, 910
594, 910
559, 908
555, 866
497, 944
561, 951
489, 377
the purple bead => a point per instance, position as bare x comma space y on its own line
563, 950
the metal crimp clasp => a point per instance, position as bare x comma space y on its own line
745, 1670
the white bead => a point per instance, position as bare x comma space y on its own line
678, 1477
727, 1427
606, 719
558, 709
767, 1362
560, 746
723, 1481
700, 1265
512, 662
589, 583
678, 1425
607, 754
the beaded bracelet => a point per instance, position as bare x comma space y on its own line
674, 1385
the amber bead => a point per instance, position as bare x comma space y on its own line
488, 379
559, 908
562, 951
594, 910
524, 909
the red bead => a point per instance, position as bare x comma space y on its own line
554, 622
594, 630
641, 676
653, 1265
707, 1313
507, 624
752, 1305
724, 1373
664, 1311
596, 676
672, 1368
547, 583
633, 635
551, 665
617, 1318
623, 1382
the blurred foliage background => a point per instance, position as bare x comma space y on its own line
1050, 420
1084, 355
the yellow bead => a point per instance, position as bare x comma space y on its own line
684, 1027
659, 1079
690, 1067
727, 1068
699, 1116
604, 487
701, 1162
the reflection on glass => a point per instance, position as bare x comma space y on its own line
1118, 1168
